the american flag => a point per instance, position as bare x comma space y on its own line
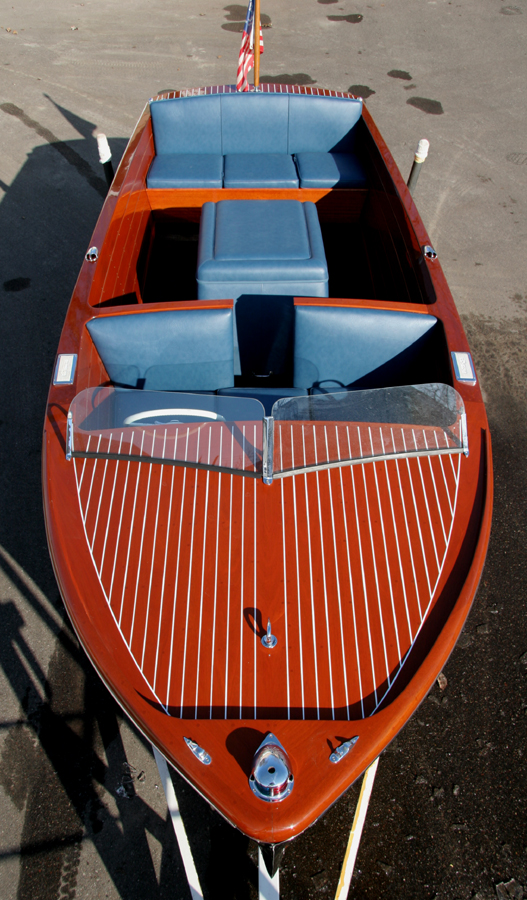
246, 57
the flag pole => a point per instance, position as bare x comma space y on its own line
256, 43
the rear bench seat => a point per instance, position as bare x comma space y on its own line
249, 140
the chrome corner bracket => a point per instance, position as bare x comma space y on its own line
429, 252
341, 751
69, 436
198, 751
271, 777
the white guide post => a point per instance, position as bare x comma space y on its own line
179, 828
356, 831
268, 888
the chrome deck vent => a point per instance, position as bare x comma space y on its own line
271, 777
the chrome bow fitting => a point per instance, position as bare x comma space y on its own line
271, 777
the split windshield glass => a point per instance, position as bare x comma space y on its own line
231, 434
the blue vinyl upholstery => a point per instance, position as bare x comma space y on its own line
187, 125
327, 170
322, 124
248, 123
260, 247
169, 350
339, 347
186, 170
249, 170
254, 123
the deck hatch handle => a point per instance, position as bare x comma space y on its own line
198, 751
344, 748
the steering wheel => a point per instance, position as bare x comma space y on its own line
193, 414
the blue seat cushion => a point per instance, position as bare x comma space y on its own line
269, 170
336, 347
260, 247
186, 170
172, 350
327, 170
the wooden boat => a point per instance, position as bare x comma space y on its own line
267, 485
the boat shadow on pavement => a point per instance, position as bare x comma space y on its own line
64, 764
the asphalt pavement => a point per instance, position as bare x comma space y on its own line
82, 812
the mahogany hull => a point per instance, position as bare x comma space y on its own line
169, 574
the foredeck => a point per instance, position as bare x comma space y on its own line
345, 562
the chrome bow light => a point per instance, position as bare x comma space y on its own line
271, 777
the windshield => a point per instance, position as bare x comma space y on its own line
232, 434
195, 430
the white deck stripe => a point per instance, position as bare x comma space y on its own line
169, 522
255, 594
301, 646
337, 577
352, 592
117, 541
321, 527
111, 508
285, 582
364, 588
79, 486
131, 531
387, 560
190, 572
313, 621
215, 580
142, 541
178, 557
202, 576
425, 563
229, 586
242, 573
432, 475
444, 477
91, 483
147, 619
432, 532
396, 533
372, 542
100, 495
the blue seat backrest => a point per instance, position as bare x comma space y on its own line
337, 347
321, 124
169, 350
254, 123
187, 125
